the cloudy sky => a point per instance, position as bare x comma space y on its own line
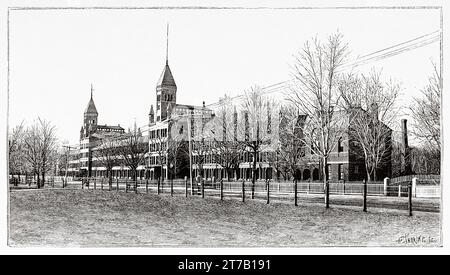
55, 55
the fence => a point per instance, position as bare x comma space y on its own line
423, 186
425, 179
30, 181
265, 190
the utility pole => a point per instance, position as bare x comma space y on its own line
67, 162
190, 156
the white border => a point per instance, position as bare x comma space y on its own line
4, 249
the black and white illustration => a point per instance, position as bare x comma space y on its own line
224, 127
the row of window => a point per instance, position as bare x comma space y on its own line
245, 157
158, 133
156, 147
166, 97
155, 160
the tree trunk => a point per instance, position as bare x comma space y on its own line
162, 169
255, 154
325, 181
110, 177
38, 181
43, 179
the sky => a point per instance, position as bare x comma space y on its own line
55, 56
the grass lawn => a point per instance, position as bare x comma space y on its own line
102, 218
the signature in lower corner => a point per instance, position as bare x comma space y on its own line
412, 239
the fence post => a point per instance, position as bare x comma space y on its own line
414, 185
243, 190
221, 189
343, 187
159, 182
95, 183
136, 186
109, 184
410, 200
171, 187
399, 190
117, 184
295, 192
82, 184
203, 188
101, 184
146, 186
126, 185
185, 186
327, 194
309, 186
268, 191
88, 183
385, 186
365, 195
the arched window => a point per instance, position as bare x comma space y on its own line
315, 174
306, 174
340, 145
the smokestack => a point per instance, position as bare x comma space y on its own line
404, 134
246, 127
406, 152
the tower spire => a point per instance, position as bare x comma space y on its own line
167, 45
92, 89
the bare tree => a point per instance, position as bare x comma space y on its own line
371, 106
291, 150
132, 148
224, 133
256, 128
425, 112
315, 94
106, 153
40, 148
177, 148
16, 142
201, 144
425, 161
48, 144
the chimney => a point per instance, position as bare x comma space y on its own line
246, 127
204, 104
406, 163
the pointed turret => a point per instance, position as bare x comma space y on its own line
91, 109
166, 78
151, 115
90, 116
166, 88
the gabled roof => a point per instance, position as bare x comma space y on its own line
166, 78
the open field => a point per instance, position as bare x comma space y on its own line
91, 218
